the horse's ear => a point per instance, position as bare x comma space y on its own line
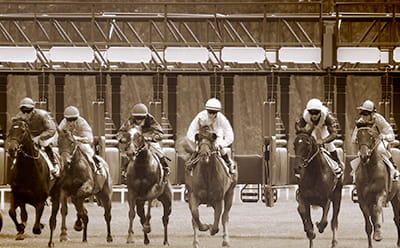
362, 123
214, 136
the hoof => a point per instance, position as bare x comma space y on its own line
109, 239
37, 231
166, 243
21, 228
321, 226
146, 228
63, 237
78, 226
204, 227
378, 235
225, 244
50, 244
213, 231
20, 236
130, 240
334, 243
311, 235
146, 241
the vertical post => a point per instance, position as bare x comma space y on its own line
285, 100
43, 80
215, 85
101, 82
156, 106
172, 81
116, 100
59, 80
396, 100
3, 105
329, 86
341, 102
228, 97
328, 44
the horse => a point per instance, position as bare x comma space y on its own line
145, 182
79, 182
318, 186
30, 180
209, 182
373, 184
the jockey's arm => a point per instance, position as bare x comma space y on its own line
193, 129
330, 124
386, 130
228, 138
301, 126
49, 127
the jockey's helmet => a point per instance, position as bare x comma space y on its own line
139, 110
314, 104
213, 104
71, 112
27, 103
368, 105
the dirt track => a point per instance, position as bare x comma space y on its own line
252, 225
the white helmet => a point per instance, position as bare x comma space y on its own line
314, 104
71, 112
27, 103
368, 105
213, 104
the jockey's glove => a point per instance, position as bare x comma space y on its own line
157, 137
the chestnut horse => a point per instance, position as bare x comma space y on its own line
210, 183
318, 186
78, 182
374, 185
30, 180
145, 182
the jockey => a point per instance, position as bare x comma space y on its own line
319, 122
368, 114
42, 127
150, 127
82, 133
221, 126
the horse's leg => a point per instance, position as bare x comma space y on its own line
366, 214
396, 213
304, 211
144, 219
228, 200
324, 218
13, 215
337, 199
194, 209
64, 213
132, 203
166, 201
196, 242
377, 216
37, 228
217, 216
82, 215
55, 205
104, 196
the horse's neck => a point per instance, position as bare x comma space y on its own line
142, 158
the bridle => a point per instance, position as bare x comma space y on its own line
306, 160
371, 145
27, 136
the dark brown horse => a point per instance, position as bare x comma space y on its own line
30, 180
210, 183
145, 183
318, 186
374, 185
78, 182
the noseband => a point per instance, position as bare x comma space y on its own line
19, 147
310, 155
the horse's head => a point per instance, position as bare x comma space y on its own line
305, 147
18, 136
137, 140
66, 145
367, 139
206, 141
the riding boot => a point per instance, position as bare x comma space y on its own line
229, 163
339, 169
55, 171
96, 163
297, 170
124, 173
396, 171
165, 166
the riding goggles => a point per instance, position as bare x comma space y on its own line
72, 119
212, 112
365, 113
26, 110
314, 112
